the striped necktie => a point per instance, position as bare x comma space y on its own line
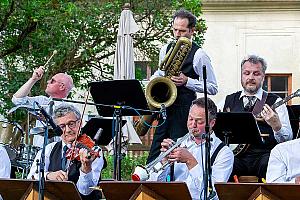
249, 105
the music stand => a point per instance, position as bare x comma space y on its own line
103, 126
294, 115
118, 98
237, 128
11, 189
256, 191
115, 190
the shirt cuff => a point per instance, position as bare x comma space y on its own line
196, 171
85, 176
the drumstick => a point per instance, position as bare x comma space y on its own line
44, 66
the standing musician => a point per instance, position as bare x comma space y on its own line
84, 173
189, 163
275, 123
188, 83
59, 86
5, 165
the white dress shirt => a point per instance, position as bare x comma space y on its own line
221, 168
85, 180
5, 165
284, 162
285, 133
200, 59
44, 101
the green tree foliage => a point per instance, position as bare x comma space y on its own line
83, 32
128, 164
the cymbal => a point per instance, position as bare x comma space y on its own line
41, 131
29, 108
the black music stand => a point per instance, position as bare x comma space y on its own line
101, 126
237, 128
294, 115
119, 98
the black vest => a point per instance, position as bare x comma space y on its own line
73, 174
235, 104
185, 96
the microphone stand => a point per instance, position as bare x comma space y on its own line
42, 164
117, 146
208, 187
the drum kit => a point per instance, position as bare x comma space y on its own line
21, 154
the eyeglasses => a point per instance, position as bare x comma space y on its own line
52, 81
70, 124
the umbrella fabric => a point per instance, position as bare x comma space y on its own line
124, 56
124, 69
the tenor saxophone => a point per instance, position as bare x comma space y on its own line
162, 90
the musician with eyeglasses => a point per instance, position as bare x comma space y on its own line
188, 158
188, 82
274, 124
84, 173
58, 86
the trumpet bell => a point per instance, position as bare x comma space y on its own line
161, 90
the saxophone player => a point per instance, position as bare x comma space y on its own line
188, 82
189, 162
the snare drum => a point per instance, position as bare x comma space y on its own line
27, 152
10, 137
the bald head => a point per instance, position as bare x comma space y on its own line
59, 86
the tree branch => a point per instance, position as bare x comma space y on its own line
30, 28
7, 15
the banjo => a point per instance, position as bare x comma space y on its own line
241, 148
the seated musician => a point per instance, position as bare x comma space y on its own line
189, 163
274, 124
5, 165
283, 166
84, 173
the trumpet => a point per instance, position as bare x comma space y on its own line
142, 173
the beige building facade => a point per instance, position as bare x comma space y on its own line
270, 29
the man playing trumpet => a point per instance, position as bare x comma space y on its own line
189, 162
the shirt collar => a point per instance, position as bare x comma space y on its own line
258, 94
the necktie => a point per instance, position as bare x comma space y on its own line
249, 103
64, 159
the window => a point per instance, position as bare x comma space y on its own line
280, 84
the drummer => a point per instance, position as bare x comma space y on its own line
5, 165
59, 86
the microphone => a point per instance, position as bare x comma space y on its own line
163, 111
56, 129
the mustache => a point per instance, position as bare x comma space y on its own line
251, 81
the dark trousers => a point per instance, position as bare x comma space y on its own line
174, 127
251, 164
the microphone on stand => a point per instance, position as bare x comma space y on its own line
163, 111
56, 129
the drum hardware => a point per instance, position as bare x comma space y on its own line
41, 131
10, 137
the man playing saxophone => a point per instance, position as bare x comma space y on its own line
188, 82
189, 158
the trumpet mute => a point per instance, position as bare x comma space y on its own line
140, 174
